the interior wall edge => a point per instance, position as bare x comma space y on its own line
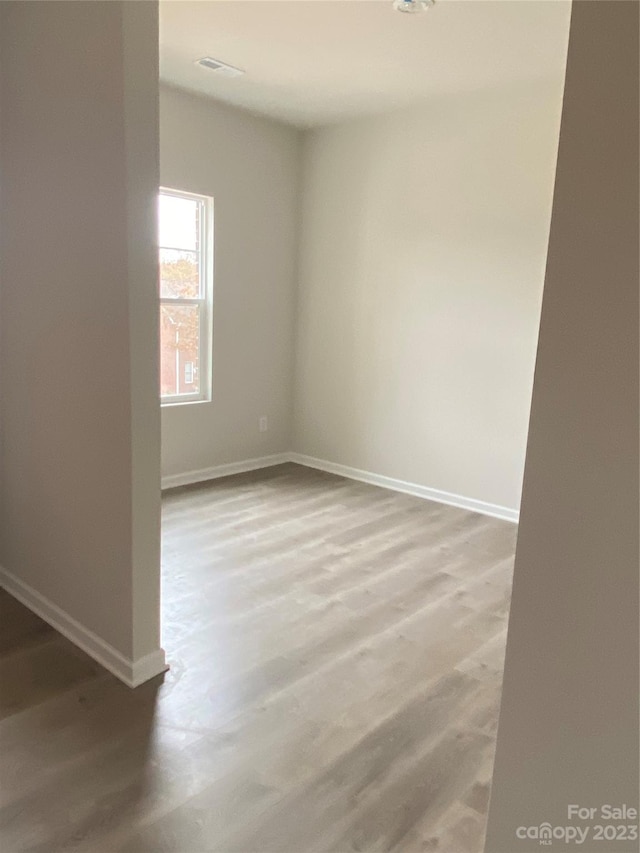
131, 672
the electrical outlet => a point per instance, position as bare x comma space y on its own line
263, 424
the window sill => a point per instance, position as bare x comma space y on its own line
172, 404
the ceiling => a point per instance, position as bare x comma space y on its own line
314, 62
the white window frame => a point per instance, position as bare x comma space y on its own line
205, 301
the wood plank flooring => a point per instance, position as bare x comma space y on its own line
336, 657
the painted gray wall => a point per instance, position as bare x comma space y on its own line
424, 237
79, 518
250, 165
568, 730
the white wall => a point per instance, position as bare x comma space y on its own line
250, 166
80, 496
421, 266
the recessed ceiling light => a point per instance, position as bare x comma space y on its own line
412, 6
220, 68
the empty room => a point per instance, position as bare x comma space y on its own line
280, 397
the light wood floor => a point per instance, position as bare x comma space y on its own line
336, 658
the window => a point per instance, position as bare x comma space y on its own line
185, 229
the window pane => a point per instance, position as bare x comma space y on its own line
179, 274
179, 349
178, 222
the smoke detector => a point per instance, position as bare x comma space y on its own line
412, 6
219, 68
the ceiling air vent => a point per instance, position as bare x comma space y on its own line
220, 68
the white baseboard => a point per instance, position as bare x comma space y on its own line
172, 481
136, 672
494, 510
131, 672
